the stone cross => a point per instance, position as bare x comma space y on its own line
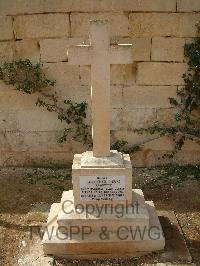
100, 54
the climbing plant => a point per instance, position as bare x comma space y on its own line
24, 75
188, 100
122, 146
73, 114
187, 103
29, 78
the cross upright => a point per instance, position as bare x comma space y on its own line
100, 55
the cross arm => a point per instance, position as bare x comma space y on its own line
83, 54
80, 55
121, 54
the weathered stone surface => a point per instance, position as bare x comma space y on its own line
137, 118
175, 251
30, 120
167, 31
116, 119
166, 116
147, 96
114, 246
6, 51
141, 46
30, 158
18, 109
74, 93
190, 145
116, 97
84, 54
188, 6
167, 49
187, 157
157, 24
64, 74
152, 153
81, 55
175, 247
80, 23
35, 141
38, 6
77, 147
121, 54
55, 50
6, 29
123, 169
133, 216
123, 74
119, 74
132, 137
20, 7
85, 75
27, 49
13, 100
160, 73
144, 5
161, 144
41, 26
115, 160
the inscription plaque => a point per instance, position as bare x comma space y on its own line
102, 187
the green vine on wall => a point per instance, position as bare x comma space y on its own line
187, 103
73, 114
188, 99
29, 78
24, 75
122, 146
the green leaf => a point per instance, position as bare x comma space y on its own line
173, 101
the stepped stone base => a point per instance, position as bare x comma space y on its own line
94, 216
129, 239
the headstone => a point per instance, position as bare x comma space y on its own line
103, 212
100, 55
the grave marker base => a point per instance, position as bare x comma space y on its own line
117, 166
74, 245
86, 223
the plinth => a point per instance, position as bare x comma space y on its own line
103, 216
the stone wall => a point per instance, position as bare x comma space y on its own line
42, 30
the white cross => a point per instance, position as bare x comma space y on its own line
100, 54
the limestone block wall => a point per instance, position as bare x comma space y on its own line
42, 30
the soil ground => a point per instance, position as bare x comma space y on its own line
24, 190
